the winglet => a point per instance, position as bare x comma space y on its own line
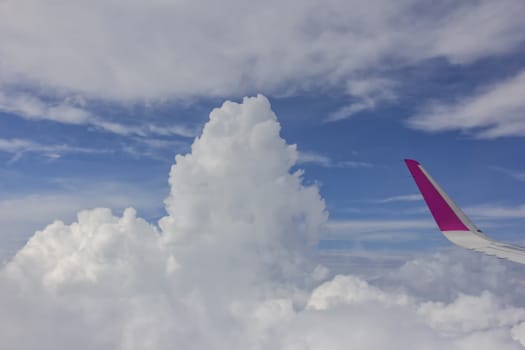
446, 214
454, 224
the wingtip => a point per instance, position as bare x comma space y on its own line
446, 213
411, 162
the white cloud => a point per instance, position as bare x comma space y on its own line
314, 158
378, 230
368, 94
445, 275
139, 148
353, 259
496, 111
377, 225
353, 164
402, 198
231, 267
518, 333
305, 157
351, 109
238, 229
358, 313
491, 211
516, 174
63, 204
20, 146
154, 148
73, 111
457, 40
470, 313
155, 50
350, 290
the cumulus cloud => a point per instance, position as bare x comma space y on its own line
63, 203
231, 266
136, 50
495, 111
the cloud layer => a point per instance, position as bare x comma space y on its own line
136, 50
231, 267
496, 111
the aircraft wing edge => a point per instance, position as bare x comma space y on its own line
454, 224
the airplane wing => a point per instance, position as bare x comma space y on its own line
454, 224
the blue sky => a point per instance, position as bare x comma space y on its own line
95, 117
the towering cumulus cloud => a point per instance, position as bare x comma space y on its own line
235, 212
230, 267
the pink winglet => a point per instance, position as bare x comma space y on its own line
444, 215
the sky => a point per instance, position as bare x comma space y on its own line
230, 174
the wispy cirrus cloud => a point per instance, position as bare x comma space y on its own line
401, 198
515, 174
349, 234
18, 147
154, 148
72, 111
359, 227
494, 111
368, 93
136, 148
309, 157
494, 211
